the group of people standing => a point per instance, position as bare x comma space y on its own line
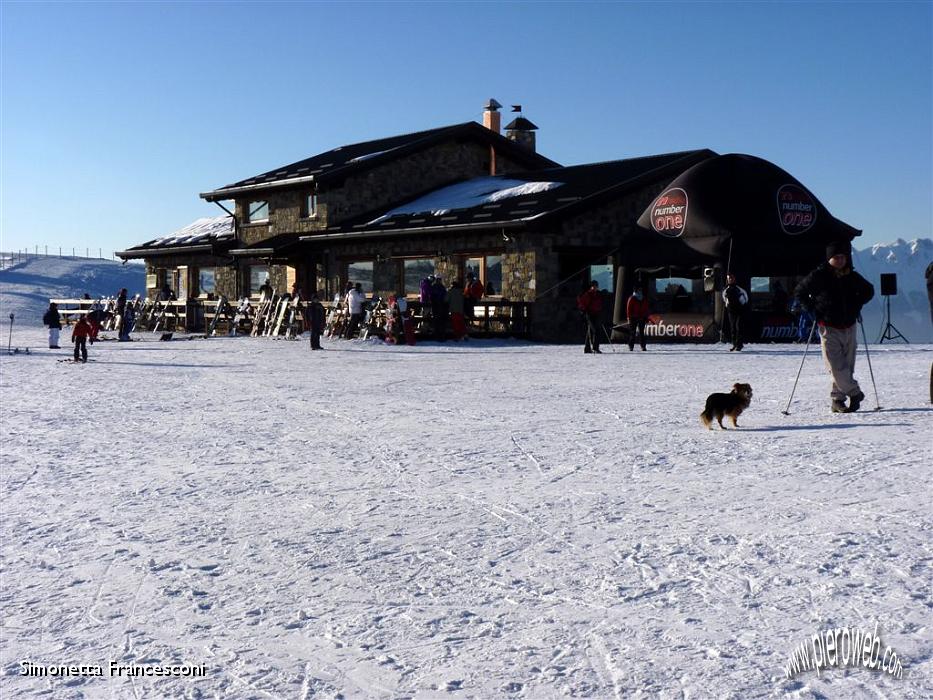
450, 306
88, 324
831, 297
447, 309
637, 311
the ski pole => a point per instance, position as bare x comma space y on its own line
9, 342
608, 337
868, 357
786, 410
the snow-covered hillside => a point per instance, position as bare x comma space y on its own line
910, 309
25, 288
488, 520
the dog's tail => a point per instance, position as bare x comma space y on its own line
706, 418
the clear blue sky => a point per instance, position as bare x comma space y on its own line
116, 115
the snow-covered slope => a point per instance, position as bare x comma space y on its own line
490, 520
25, 288
910, 309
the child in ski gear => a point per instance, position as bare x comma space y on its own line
636, 311
590, 304
835, 294
79, 337
54, 321
736, 298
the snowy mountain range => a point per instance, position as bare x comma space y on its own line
26, 287
910, 308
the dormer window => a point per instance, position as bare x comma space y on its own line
309, 206
257, 211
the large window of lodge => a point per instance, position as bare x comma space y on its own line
257, 211
413, 271
362, 272
488, 270
206, 281
676, 294
603, 275
256, 275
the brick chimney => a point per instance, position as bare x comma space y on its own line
492, 120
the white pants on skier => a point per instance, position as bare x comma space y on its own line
53, 337
839, 345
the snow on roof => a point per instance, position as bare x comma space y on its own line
200, 231
367, 156
465, 195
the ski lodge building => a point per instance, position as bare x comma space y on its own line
466, 198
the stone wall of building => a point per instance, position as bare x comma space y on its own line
225, 280
286, 215
279, 278
380, 186
519, 277
408, 177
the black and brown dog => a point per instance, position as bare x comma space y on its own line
718, 406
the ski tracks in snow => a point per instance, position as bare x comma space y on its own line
492, 523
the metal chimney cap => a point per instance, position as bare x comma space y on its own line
492, 105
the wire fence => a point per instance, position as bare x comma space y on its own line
14, 257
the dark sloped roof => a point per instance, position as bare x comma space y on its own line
560, 191
521, 124
345, 160
209, 234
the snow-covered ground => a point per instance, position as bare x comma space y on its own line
488, 520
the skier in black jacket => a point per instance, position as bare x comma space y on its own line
53, 320
736, 299
835, 294
316, 320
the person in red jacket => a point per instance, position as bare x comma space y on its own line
590, 303
636, 311
79, 336
472, 293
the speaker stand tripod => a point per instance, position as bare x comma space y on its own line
890, 331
